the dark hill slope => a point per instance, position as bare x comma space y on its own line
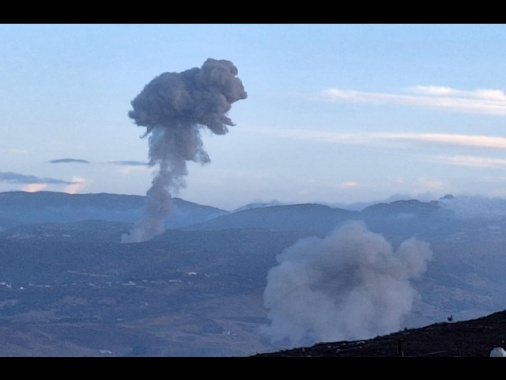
472, 338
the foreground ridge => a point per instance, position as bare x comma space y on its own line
473, 338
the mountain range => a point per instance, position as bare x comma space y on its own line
68, 287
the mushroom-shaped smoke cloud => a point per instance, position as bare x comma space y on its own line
350, 285
173, 107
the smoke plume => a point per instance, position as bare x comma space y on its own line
350, 285
174, 107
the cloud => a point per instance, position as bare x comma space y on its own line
481, 101
15, 151
477, 141
470, 161
498, 95
128, 167
128, 163
78, 183
348, 185
29, 179
81, 161
34, 187
451, 139
69, 161
434, 90
32, 183
430, 184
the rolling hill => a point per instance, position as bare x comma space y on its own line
68, 287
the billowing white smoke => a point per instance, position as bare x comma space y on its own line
350, 285
174, 107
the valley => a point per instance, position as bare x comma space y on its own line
68, 287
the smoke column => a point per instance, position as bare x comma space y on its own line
350, 285
174, 107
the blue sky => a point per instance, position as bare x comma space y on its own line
335, 113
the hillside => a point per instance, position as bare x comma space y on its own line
68, 287
474, 338
185, 293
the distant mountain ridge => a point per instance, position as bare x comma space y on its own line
409, 206
299, 217
18, 207
24, 211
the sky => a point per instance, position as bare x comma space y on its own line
338, 114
